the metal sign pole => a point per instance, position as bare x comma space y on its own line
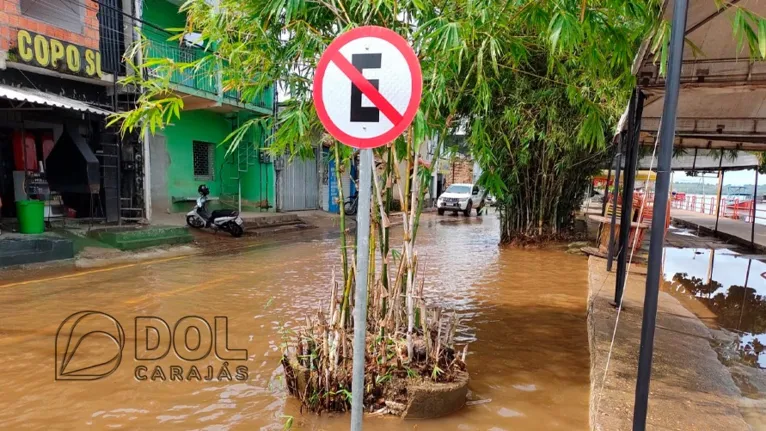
360, 298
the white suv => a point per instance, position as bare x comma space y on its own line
461, 197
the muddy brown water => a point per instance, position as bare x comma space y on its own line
728, 289
522, 311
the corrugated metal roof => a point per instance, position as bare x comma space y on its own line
48, 99
704, 161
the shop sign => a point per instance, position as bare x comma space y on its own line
43, 51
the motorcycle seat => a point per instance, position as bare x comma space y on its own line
223, 213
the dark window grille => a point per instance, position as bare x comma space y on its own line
111, 36
204, 161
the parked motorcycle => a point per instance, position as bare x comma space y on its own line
351, 204
226, 220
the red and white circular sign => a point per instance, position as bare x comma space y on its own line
367, 87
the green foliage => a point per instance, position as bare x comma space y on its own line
464, 47
288, 425
537, 85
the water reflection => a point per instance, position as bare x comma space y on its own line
729, 285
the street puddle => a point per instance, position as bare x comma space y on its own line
523, 312
725, 289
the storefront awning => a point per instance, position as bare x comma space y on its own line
48, 99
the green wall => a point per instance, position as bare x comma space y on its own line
204, 83
163, 14
259, 178
212, 127
207, 126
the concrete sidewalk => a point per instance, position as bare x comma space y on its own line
735, 231
690, 388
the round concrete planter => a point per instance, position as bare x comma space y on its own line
430, 400
427, 400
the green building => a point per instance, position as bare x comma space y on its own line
188, 153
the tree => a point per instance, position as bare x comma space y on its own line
476, 55
536, 84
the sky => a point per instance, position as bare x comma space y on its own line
736, 178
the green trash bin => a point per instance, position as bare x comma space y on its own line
31, 216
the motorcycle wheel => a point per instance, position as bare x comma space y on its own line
349, 208
235, 230
194, 222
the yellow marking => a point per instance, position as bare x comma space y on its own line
92, 271
193, 289
50, 330
149, 262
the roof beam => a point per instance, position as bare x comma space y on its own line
710, 17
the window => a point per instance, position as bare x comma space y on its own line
66, 14
204, 160
459, 188
476, 190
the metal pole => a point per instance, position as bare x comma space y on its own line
720, 189
667, 138
606, 190
239, 192
755, 211
615, 193
360, 298
605, 200
744, 295
631, 164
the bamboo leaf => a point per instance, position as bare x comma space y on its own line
739, 32
696, 51
557, 25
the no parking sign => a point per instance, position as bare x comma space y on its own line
367, 90
367, 87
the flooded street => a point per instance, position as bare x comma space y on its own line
522, 311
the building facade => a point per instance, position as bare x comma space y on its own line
60, 66
187, 153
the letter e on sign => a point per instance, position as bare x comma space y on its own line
367, 87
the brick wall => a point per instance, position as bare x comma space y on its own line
458, 171
11, 19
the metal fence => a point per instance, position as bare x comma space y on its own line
203, 78
733, 207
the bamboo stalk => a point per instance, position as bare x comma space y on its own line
398, 182
385, 240
385, 223
338, 174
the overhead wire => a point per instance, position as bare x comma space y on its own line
65, 15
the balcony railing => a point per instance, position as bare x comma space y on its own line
203, 80
262, 100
